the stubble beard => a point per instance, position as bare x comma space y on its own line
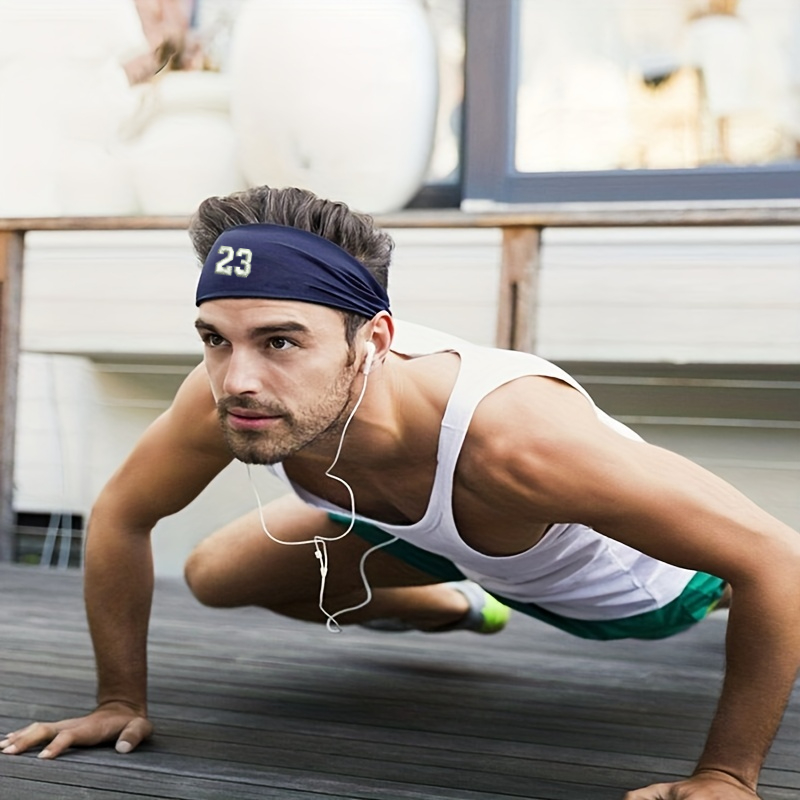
316, 424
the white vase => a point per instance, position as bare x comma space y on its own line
336, 96
187, 149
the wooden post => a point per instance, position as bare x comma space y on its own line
519, 289
11, 250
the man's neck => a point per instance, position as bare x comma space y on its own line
396, 423
372, 434
389, 451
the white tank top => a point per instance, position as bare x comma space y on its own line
573, 570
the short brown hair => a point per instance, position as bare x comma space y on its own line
298, 208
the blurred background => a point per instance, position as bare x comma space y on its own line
148, 106
145, 107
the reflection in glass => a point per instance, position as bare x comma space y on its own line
657, 84
447, 20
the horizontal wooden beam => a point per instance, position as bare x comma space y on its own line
611, 215
576, 215
131, 223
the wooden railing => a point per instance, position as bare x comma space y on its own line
521, 228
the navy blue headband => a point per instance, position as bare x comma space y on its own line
277, 262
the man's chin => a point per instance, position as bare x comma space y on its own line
256, 459
254, 452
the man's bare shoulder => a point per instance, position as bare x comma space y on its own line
535, 410
530, 442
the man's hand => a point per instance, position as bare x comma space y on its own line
706, 785
109, 721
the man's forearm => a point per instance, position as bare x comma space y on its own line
118, 588
763, 656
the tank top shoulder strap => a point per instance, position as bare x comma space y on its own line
485, 369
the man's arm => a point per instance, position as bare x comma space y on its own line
178, 455
561, 462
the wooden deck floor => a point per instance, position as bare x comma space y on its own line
249, 705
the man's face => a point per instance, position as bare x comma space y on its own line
281, 372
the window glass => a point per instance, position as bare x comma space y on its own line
447, 20
656, 84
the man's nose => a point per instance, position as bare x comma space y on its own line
243, 374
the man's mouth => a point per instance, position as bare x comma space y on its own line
250, 419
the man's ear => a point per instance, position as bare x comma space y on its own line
381, 333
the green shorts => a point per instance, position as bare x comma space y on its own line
700, 596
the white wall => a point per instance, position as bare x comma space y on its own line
110, 292
132, 294
53, 422
677, 295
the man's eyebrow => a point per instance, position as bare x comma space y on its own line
275, 329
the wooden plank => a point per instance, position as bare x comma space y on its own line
131, 223
519, 289
249, 704
580, 215
11, 254
23, 789
603, 215
75, 777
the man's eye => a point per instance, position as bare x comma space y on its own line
213, 340
279, 343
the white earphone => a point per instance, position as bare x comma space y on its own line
320, 542
369, 358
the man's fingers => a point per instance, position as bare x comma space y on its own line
63, 741
25, 738
100, 726
133, 734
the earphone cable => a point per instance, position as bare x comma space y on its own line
320, 542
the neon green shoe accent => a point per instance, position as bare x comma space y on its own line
486, 613
494, 614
